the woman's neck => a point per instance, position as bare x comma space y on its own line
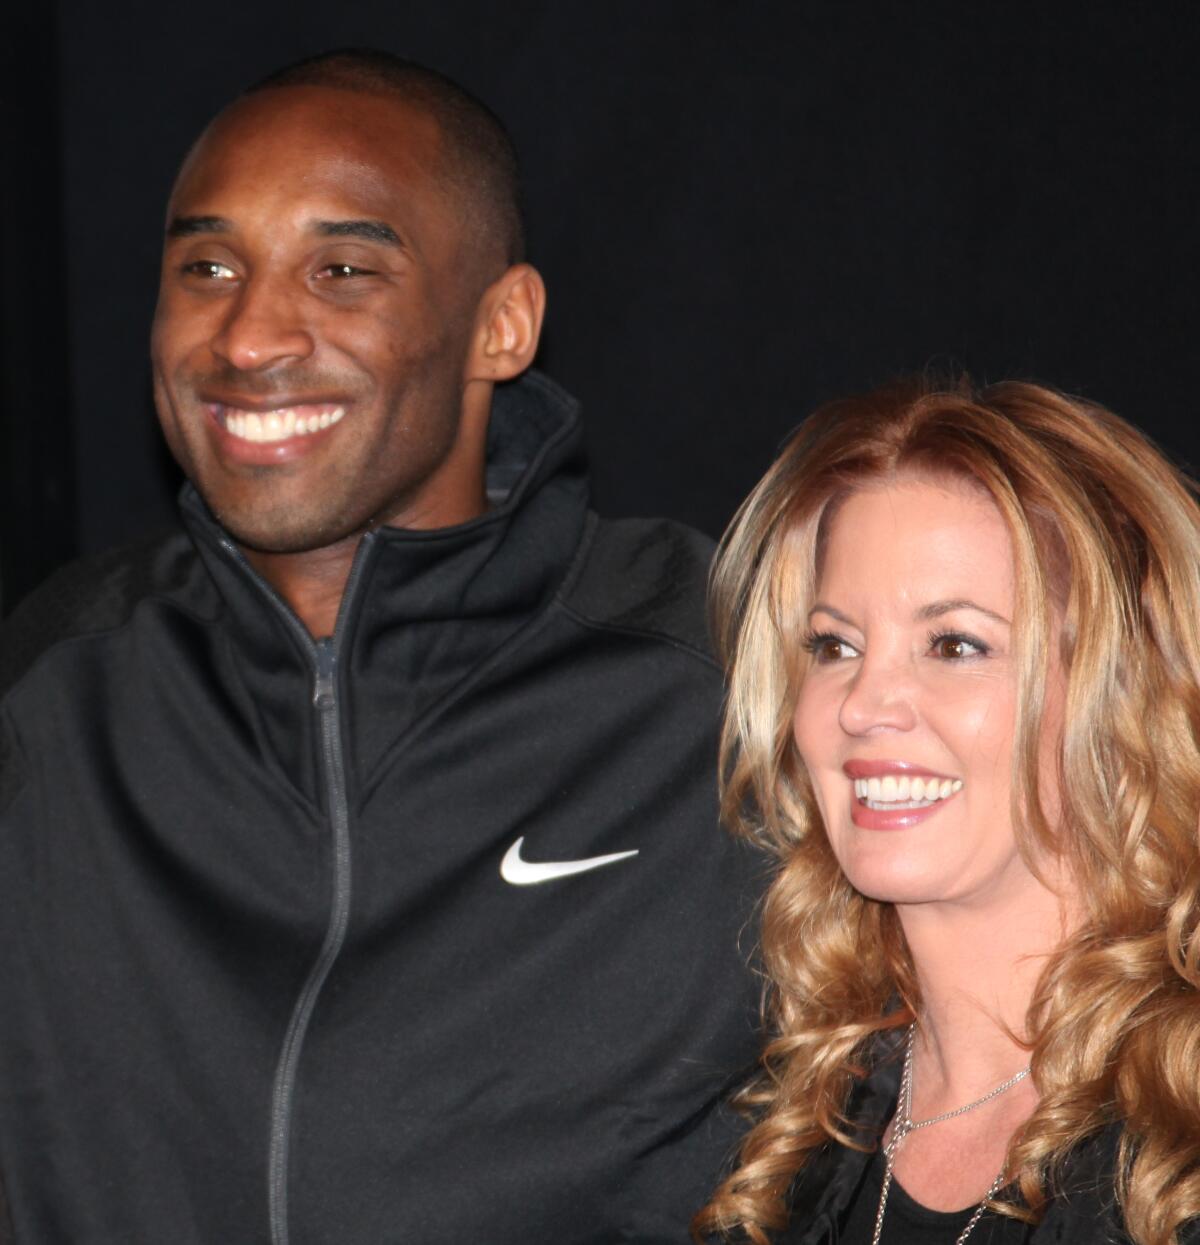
977, 965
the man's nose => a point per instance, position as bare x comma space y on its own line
881, 697
263, 327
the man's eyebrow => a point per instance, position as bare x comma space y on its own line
186, 226
937, 608
368, 230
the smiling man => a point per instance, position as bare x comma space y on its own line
326, 345
359, 863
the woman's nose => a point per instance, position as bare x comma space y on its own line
880, 697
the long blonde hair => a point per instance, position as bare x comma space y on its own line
1106, 534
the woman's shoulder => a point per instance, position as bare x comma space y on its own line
1084, 1209
827, 1183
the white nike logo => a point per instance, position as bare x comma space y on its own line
528, 873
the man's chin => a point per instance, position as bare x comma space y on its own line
281, 533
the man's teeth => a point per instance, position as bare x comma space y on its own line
279, 425
904, 791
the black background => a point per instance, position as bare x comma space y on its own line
740, 210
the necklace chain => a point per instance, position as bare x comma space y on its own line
904, 1124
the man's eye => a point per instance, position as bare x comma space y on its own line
209, 270
827, 648
952, 646
339, 272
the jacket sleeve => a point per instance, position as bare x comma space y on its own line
6, 1230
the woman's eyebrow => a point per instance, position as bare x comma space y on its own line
937, 608
821, 608
934, 609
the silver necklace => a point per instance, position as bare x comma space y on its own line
903, 1124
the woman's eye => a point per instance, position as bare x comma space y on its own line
950, 646
827, 649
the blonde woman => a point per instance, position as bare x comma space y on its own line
962, 630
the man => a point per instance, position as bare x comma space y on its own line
361, 879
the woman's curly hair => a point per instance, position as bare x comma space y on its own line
1106, 541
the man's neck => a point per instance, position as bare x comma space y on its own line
312, 583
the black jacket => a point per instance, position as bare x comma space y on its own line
1084, 1214
260, 976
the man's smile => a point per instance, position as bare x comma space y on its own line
276, 424
254, 434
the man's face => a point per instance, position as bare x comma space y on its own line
314, 319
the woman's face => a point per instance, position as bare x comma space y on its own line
907, 713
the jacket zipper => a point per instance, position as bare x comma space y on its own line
324, 656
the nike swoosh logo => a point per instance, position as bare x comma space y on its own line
529, 873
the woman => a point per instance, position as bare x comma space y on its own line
962, 630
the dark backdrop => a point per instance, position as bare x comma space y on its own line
740, 210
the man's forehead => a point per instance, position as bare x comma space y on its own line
372, 136
325, 106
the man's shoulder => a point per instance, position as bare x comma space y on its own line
646, 576
90, 596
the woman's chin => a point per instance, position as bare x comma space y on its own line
898, 882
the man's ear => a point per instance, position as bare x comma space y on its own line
508, 325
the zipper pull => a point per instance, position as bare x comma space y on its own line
323, 684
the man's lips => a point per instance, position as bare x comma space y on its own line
270, 401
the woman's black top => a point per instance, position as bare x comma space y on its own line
835, 1197
907, 1222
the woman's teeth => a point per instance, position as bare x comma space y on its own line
904, 791
281, 424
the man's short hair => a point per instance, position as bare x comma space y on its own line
481, 159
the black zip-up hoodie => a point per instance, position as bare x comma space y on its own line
261, 978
